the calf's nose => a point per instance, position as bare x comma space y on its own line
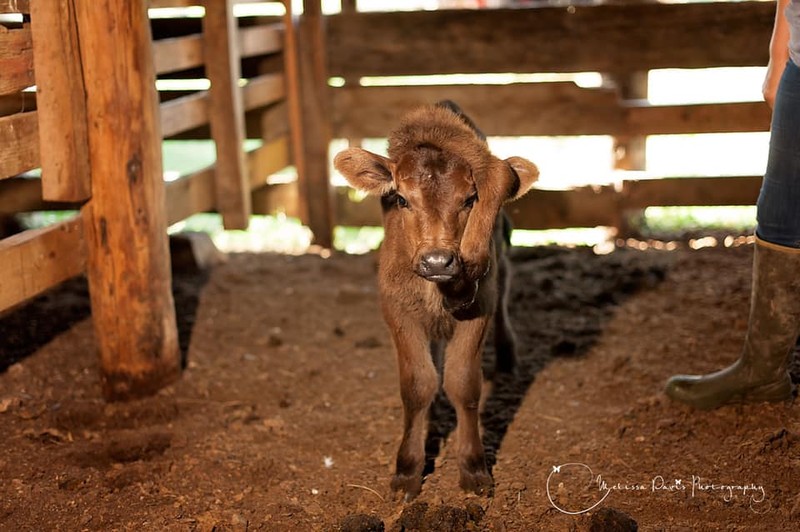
439, 265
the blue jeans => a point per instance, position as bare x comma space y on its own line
778, 211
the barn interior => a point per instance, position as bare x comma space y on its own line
190, 331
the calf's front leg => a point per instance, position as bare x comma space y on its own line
462, 384
419, 383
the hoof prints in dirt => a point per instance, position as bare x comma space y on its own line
560, 301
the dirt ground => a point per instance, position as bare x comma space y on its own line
288, 414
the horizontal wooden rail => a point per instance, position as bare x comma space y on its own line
184, 113
35, 260
270, 158
260, 40
277, 198
16, 60
19, 140
178, 53
264, 90
577, 38
190, 195
521, 109
15, 6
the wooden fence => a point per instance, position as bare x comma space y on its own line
95, 126
621, 41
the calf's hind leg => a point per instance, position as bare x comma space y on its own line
504, 341
418, 385
462, 383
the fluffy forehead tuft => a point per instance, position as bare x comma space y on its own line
436, 126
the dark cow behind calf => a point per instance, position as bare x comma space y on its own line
442, 271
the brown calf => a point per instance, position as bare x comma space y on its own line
440, 280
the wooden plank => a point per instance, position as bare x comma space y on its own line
16, 59
274, 122
184, 113
264, 90
277, 198
35, 260
62, 99
178, 53
575, 38
19, 138
260, 40
269, 159
19, 102
734, 117
15, 6
310, 120
515, 109
226, 114
549, 109
22, 194
128, 263
692, 191
190, 195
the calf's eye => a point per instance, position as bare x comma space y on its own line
470, 201
401, 202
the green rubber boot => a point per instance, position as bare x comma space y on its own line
761, 373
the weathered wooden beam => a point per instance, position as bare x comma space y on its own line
575, 38
277, 198
226, 113
35, 260
515, 109
19, 143
62, 99
269, 159
16, 59
178, 53
19, 102
263, 90
540, 109
260, 40
644, 119
125, 221
15, 6
184, 113
691, 191
309, 119
190, 195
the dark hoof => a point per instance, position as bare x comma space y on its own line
478, 482
409, 486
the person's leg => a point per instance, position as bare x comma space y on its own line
761, 373
778, 212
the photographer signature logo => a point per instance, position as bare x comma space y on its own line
573, 488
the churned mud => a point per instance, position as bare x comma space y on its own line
288, 414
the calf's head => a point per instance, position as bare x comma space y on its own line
442, 187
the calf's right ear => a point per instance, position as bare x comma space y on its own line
365, 171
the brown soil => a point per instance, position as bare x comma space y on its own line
288, 414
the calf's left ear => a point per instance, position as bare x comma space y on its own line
526, 174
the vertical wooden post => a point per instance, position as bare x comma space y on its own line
310, 119
630, 152
223, 67
61, 100
128, 262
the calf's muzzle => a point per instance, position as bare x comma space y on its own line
439, 265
